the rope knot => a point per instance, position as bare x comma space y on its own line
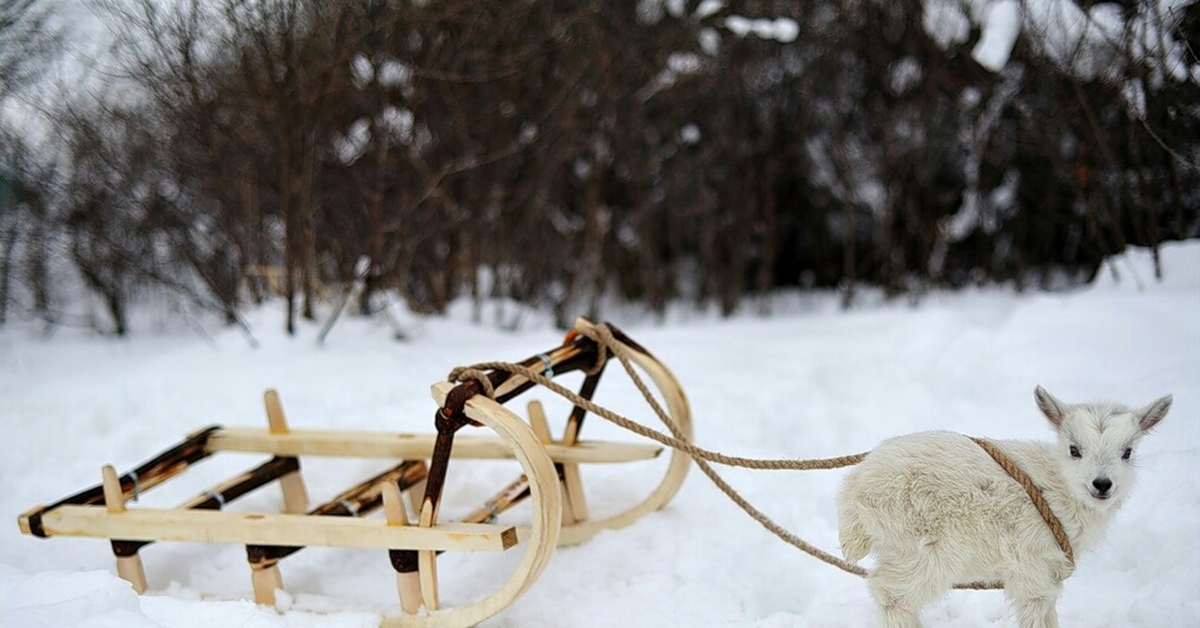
603, 337
463, 374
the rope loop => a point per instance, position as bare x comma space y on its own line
603, 337
473, 373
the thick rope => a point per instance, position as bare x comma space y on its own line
1035, 495
674, 442
464, 374
606, 342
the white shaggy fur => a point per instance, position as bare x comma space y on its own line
936, 510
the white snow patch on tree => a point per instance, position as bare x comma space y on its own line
1134, 95
945, 22
710, 41
393, 73
398, 122
905, 73
1001, 25
354, 143
1094, 43
1101, 42
707, 8
689, 134
683, 62
362, 72
784, 30
1072, 39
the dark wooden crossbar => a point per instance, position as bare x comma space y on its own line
224, 493
357, 501
146, 476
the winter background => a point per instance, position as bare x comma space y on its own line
811, 381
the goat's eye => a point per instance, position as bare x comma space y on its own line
1075, 452
1127, 454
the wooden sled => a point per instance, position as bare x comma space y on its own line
550, 480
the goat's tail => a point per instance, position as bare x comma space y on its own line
851, 534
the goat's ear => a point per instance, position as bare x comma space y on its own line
1149, 416
1051, 407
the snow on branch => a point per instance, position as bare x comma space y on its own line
1103, 42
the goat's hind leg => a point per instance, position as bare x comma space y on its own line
901, 593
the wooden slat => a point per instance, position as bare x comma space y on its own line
537, 422
211, 526
368, 495
427, 560
356, 501
510, 496
541, 429
295, 493
575, 502
265, 580
114, 500
408, 583
411, 446
558, 357
129, 567
238, 486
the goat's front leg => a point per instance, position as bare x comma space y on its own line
1035, 601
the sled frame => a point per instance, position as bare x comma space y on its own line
550, 479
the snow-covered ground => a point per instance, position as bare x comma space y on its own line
809, 381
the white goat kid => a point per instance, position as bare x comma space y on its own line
936, 510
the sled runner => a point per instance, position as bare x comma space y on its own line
550, 480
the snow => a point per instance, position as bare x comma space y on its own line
689, 134
782, 29
1001, 26
393, 73
811, 380
354, 143
945, 22
1080, 42
1090, 44
905, 74
683, 63
707, 8
399, 122
362, 72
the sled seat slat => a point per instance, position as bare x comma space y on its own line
211, 526
411, 446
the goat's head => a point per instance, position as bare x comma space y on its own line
1097, 444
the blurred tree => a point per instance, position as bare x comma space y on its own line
29, 42
557, 154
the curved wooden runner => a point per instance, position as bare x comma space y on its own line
543, 532
582, 350
554, 488
677, 407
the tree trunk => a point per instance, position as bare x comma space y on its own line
6, 258
308, 227
290, 230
